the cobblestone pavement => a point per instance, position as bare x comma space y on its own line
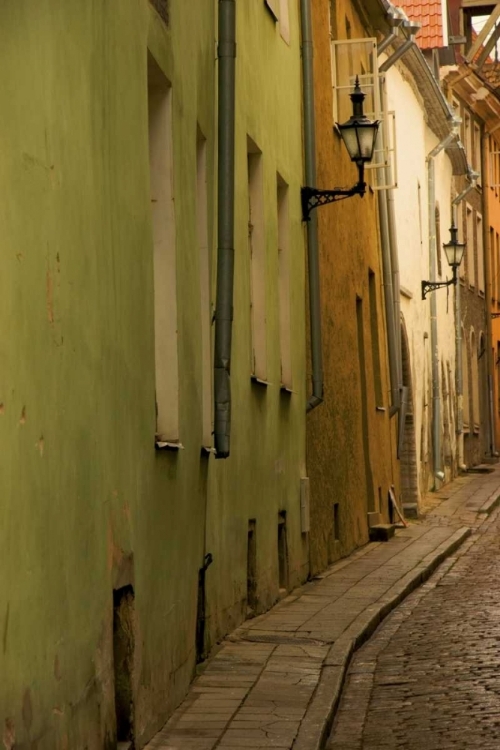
430, 676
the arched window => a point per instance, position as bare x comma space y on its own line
465, 384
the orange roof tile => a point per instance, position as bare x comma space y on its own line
429, 14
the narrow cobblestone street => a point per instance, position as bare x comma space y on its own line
425, 679
430, 677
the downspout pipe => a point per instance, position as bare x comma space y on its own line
225, 227
388, 295
412, 28
472, 177
316, 397
436, 394
394, 19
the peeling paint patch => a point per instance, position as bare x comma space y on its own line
22, 418
9, 734
6, 628
57, 711
2, 409
40, 445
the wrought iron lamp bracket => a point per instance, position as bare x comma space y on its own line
430, 286
312, 197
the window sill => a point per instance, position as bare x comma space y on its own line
259, 381
380, 408
286, 389
168, 445
206, 450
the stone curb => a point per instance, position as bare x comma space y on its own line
491, 503
317, 722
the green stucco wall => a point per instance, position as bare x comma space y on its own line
87, 504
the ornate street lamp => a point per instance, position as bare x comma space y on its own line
454, 253
359, 135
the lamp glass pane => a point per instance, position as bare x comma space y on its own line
366, 136
350, 139
454, 253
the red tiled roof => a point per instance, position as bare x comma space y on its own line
429, 14
491, 72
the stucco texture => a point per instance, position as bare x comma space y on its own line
350, 444
87, 504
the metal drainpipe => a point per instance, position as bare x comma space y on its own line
225, 224
458, 335
312, 225
436, 395
396, 285
388, 294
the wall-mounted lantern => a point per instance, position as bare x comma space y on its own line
454, 253
359, 135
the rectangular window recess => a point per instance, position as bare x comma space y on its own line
167, 445
259, 381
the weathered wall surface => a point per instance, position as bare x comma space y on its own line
262, 477
414, 141
350, 445
87, 504
493, 198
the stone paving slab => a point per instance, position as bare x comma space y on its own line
276, 681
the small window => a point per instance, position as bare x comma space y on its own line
377, 379
468, 136
465, 385
284, 282
470, 249
205, 288
257, 252
164, 256
477, 151
480, 254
